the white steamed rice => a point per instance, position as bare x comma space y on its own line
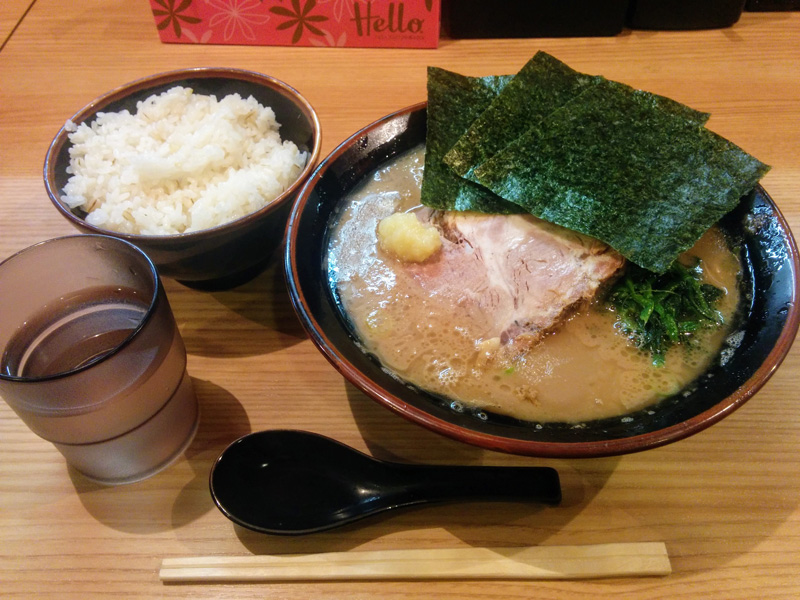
183, 162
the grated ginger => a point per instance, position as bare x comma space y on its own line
405, 237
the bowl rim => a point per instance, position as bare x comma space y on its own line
174, 76
544, 449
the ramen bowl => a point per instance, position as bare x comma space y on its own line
220, 256
767, 329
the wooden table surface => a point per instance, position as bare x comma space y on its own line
11, 13
726, 501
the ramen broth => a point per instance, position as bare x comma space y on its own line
585, 370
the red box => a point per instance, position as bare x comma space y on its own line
352, 23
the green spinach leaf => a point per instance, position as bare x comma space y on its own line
659, 311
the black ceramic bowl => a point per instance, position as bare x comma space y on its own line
770, 320
228, 254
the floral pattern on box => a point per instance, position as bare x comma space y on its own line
353, 23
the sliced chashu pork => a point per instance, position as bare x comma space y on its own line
520, 276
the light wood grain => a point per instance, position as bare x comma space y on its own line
726, 501
11, 13
644, 559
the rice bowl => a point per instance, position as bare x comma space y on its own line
224, 255
181, 162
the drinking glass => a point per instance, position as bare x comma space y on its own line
92, 359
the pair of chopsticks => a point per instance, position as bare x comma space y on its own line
537, 562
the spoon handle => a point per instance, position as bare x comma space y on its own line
439, 483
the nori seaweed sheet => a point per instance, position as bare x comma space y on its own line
614, 164
541, 86
454, 101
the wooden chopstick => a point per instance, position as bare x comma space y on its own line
537, 562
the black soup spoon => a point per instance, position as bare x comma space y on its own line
292, 482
